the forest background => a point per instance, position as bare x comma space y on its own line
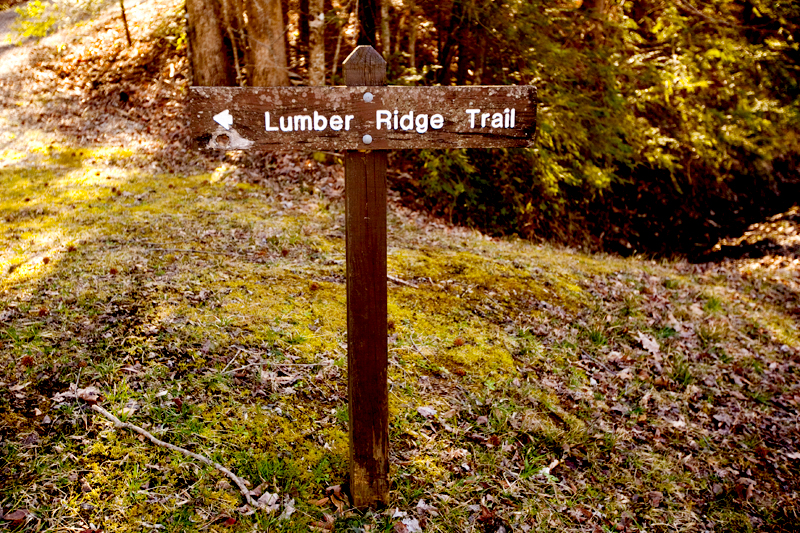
664, 126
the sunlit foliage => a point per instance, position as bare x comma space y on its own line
672, 98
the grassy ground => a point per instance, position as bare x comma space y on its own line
562, 391
532, 388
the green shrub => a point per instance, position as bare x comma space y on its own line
660, 113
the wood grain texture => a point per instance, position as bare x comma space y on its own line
248, 106
367, 348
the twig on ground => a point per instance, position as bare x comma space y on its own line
194, 251
272, 363
133, 427
230, 363
401, 282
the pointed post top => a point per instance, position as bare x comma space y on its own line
364, 66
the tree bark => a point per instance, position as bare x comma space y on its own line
385, 31
210, 65
316, 56
368, 14
466, 54
304, 29
448, 47
412, 44
267, 50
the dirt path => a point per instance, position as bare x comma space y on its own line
7, 18
12, 56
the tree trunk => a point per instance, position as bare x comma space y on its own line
304, 17
385, 31
412, 44
480, 65
368, 14
466, 54
316, 63
267, 50
401, 27
210, 56
448, 48
341, 24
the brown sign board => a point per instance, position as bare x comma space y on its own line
361, 118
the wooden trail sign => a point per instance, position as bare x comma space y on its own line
360, 118
364, 119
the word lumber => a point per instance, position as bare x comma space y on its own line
365, 117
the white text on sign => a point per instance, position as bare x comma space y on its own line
391, 120
308, 123
506, 119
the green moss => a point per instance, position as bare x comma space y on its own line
480, 360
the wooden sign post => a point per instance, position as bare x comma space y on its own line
363, 119
367, 346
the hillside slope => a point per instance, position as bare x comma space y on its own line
531, 387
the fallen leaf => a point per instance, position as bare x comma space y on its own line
259, 490
580, 514
625, 373
327, 525
288, 510
17, 517
339, 501
90, 395
322, 502
423, 508
334, 490
649, 344
17, 388
487, 515
269, 502
411, 525
723, 418
131, 407
655, 498
426, 412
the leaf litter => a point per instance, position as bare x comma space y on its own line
531, 387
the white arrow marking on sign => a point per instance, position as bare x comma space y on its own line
224, 119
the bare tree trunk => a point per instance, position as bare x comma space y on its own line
210, 65
304, 17
385, 31
231, 26
401, 26
481, 64
340, 30
316, 63
466, 53
368, 14
267, 48
412, 43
